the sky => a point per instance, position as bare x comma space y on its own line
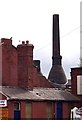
32, 20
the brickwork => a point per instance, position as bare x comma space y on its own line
74, 73
18, 68
9, 63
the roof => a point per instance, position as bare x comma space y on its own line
37, 94
69, 82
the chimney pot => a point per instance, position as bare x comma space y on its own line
23, 42
27, 42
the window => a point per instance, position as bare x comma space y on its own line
16, 106
28, 110
49, 110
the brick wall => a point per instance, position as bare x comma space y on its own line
74, 73
25, 62
39, 110
9, 63
18, 68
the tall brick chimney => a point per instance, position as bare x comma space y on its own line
25, 65
9, 63
57, 75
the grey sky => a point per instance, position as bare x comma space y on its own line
32, 20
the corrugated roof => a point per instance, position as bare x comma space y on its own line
37, 94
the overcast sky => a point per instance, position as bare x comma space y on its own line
32, 20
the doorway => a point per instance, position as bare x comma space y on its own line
59, 111
16, 111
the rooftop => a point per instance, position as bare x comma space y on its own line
38, 94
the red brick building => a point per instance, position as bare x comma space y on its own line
28, 93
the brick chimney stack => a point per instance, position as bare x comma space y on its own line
17, 67
25, 62
57, 75
9, 63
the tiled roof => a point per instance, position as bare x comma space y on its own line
37, 94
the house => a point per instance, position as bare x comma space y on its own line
24, 91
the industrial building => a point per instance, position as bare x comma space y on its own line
25, 93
